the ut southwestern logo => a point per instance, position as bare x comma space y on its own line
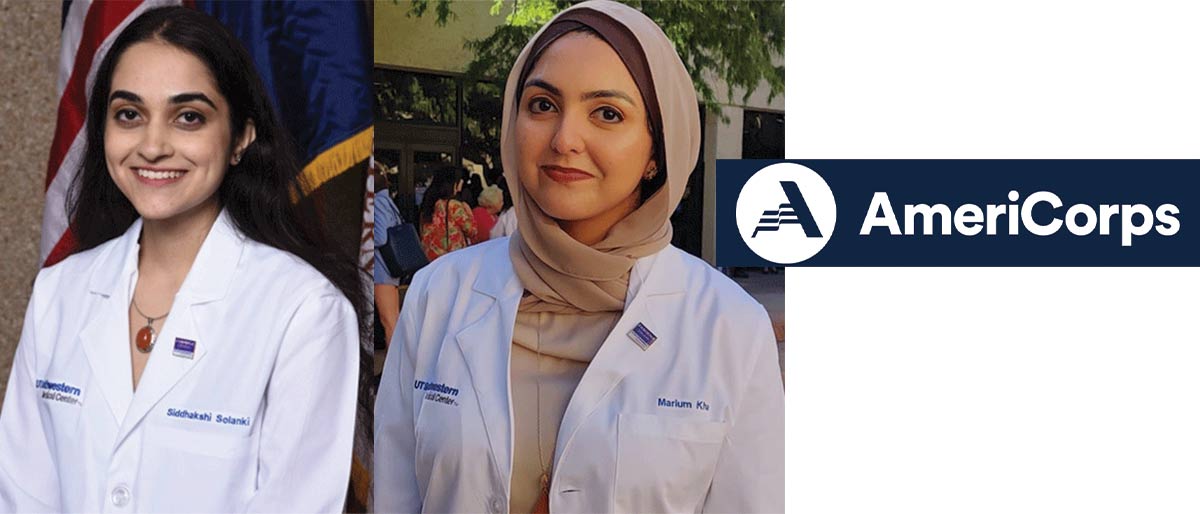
786, 213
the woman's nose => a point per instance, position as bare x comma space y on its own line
155, 144
569, 136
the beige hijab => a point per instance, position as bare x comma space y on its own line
560, 274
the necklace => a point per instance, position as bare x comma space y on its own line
543, 503
146, 336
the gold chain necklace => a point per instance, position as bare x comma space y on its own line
543, 503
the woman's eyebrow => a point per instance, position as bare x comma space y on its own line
608, 93
601, 93
122, 94
183, 98
544, 85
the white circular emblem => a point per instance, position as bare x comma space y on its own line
786, 213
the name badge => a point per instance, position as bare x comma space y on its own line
642, 336
185, 348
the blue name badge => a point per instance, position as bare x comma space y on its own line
642, 336
185, 348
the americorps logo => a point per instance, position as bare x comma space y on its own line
957, 213
1135, 219
786, 213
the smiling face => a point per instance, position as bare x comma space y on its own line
167, 134
583, 140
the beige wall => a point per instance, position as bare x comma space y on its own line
759, 99
27, 108
419, 43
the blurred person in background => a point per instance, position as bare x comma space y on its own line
387, 292
472, 186
446, 222
506, 221
491, 199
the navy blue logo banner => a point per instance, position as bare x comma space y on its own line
957, 212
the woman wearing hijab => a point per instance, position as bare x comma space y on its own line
199, 350
584, 365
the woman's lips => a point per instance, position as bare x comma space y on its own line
565, 175
158, 176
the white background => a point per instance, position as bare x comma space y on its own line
978, 390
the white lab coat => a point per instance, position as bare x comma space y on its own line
274, 368
694, 423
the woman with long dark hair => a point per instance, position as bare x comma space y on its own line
446, 222
584, 364
199, 349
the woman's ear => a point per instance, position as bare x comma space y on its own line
248, 135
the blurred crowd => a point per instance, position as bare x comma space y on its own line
456, 209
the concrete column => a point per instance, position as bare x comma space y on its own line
722, 140
27, 107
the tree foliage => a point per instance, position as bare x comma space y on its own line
734, 41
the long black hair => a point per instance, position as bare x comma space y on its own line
441, 188
257, 192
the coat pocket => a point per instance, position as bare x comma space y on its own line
197, 470
210, 443
665, 463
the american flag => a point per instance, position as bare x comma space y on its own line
88, 30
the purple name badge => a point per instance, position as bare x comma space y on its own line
185, 348
642, 336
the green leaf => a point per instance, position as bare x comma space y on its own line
738, 41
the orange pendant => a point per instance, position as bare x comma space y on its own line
543, 502
145, 339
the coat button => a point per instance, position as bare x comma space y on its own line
497, 506
121, 495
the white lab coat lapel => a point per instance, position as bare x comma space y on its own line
654, 280
105, 335
207, 281
486, 346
